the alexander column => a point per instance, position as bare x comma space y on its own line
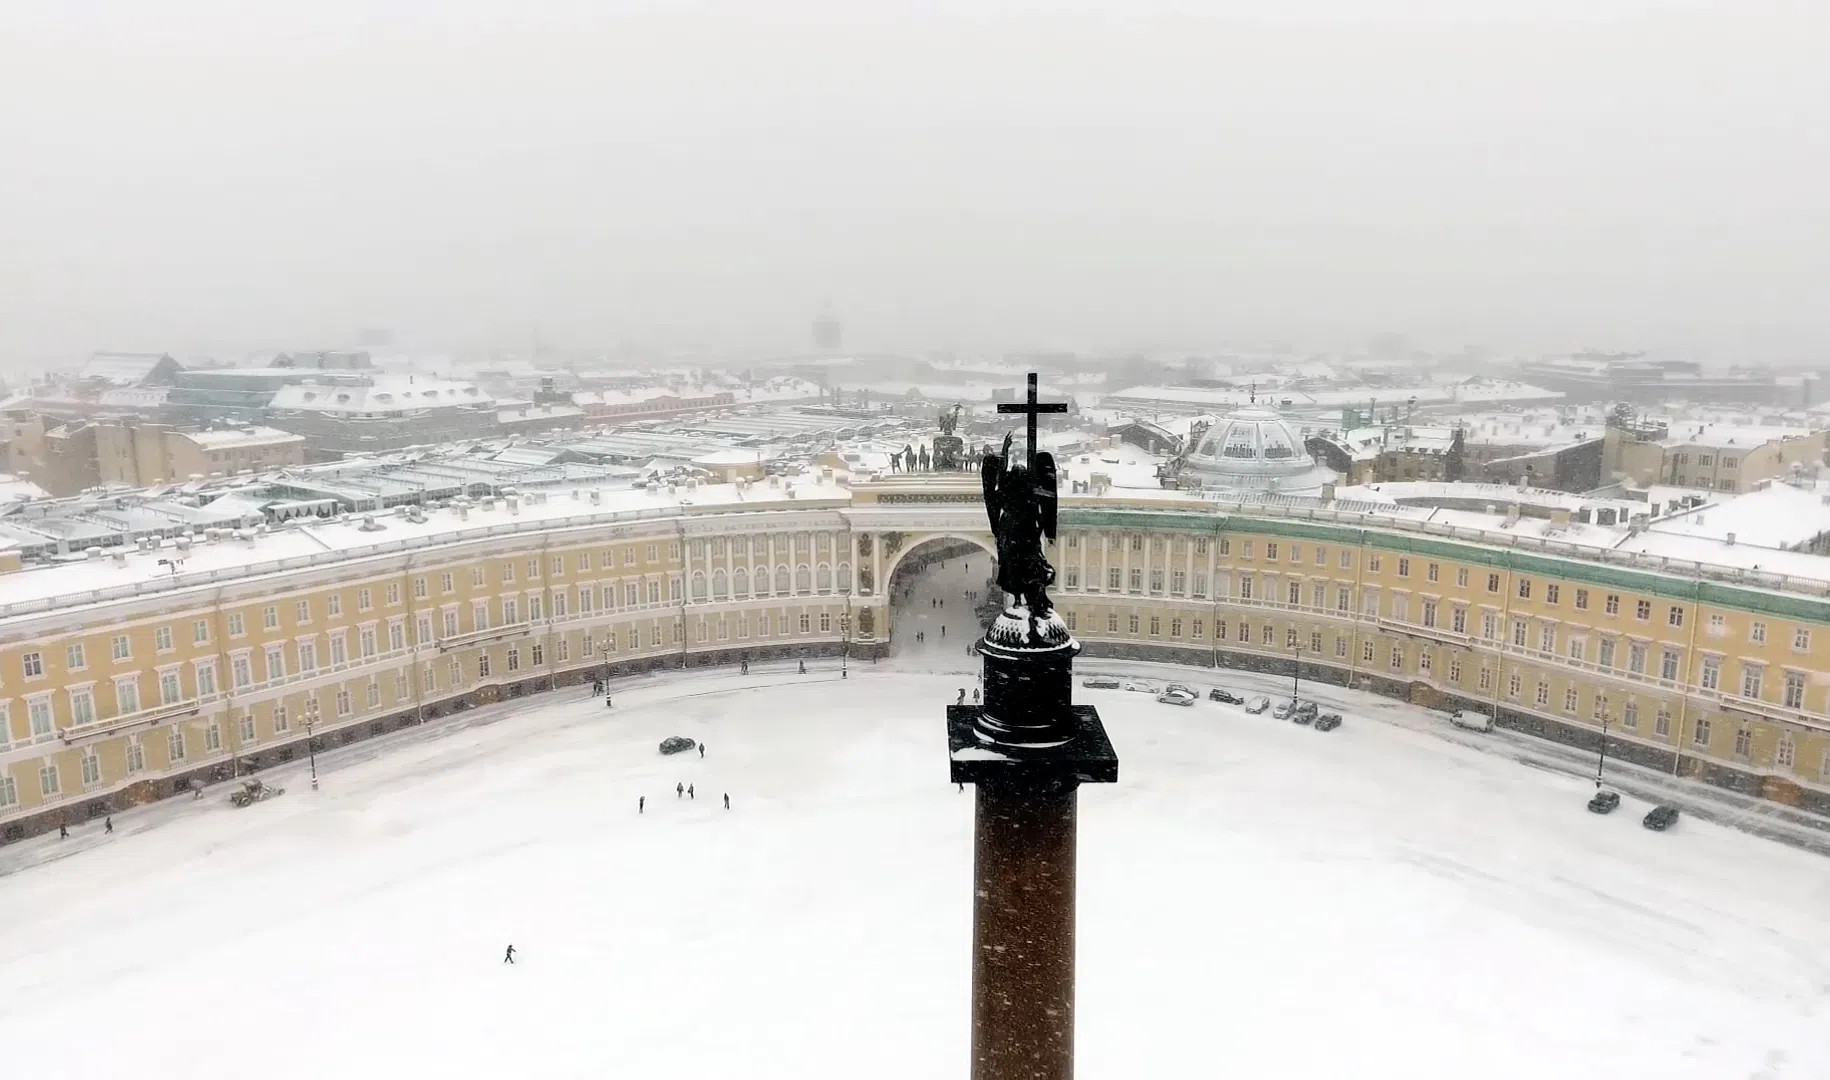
1027, 751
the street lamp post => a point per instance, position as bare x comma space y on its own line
311, 741
1602, 758
603, 652
1296, 672
844, 643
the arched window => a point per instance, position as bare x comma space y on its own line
844, 577
803, 579
740, 583
718, 583
698, 585
781, 580
823, 577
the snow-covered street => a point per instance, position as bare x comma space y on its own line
1256, 898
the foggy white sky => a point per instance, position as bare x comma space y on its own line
1525, 173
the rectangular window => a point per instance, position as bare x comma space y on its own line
1612, 604
281, 721
74, 657
1700, 736
1786, 752
1432, 572
1577, 647
1156, 626
483, 665
1552, 593
806, 623
1198, 629
339, 649
1366, 652
1131, 624
1072, 577
1340, 646
1111, 623
174, 744
1295, 593
1544, 695
1675, 616
1343, 597
514, 658
1605, 655
419, 588
1524, 588
1156, 581
1201, 584
1756, 633
1429, 613
1458, 620
38, 711
344, 707
170, 689
1794, 690
1801, 640
1636, 658
1642, 610
1512, 686
162, 639
1752, 678
1290, 638
270, 617
1582, 599
82, 709
1454, 669
1712, 673
1264, 635
48, 780
127, 696
825, 622
445, 583
1346, 559
247, 728
236, 626
240, 672
120, 647
1668, 665
1404, 567
1493, 583
200, 631
1629, 715
334, 604
1397, 657
1373, 562
1178, 582
1135, 580
1461, 577
1486, 680
1072, 622
1547, 639
212, 739
1518, 632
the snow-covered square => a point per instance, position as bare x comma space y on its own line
1256, 898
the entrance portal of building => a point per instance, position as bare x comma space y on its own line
938, 594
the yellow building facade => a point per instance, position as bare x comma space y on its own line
120, 693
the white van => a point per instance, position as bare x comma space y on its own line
1472, 720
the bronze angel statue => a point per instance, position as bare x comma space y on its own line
1021, 508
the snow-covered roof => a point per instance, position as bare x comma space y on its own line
225, 438
1777, 516
380, 397
1722, 436
120, 368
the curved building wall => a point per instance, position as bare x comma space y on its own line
129, 697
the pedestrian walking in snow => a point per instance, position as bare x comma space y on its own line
608, 704
641, 803
943, 630
701, 751
679, 791
509, 956
962, 696
962, 788
975, 695
727, 800
108, 824
63, 831
689, 792
803, 667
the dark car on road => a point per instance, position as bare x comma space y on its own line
1328, 721
1604, 802
1225, 697
1661, 818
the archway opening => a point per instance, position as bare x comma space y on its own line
938, 592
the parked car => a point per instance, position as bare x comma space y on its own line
1302, 715
1661, 818
1471, 719
1258, 704
677, 744
1328, 721
1176, 697
1604, 802
1189, 690
1142, 687
1101, 682
1225, 697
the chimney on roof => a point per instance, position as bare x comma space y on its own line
1731, 539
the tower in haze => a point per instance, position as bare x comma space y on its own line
828, 332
